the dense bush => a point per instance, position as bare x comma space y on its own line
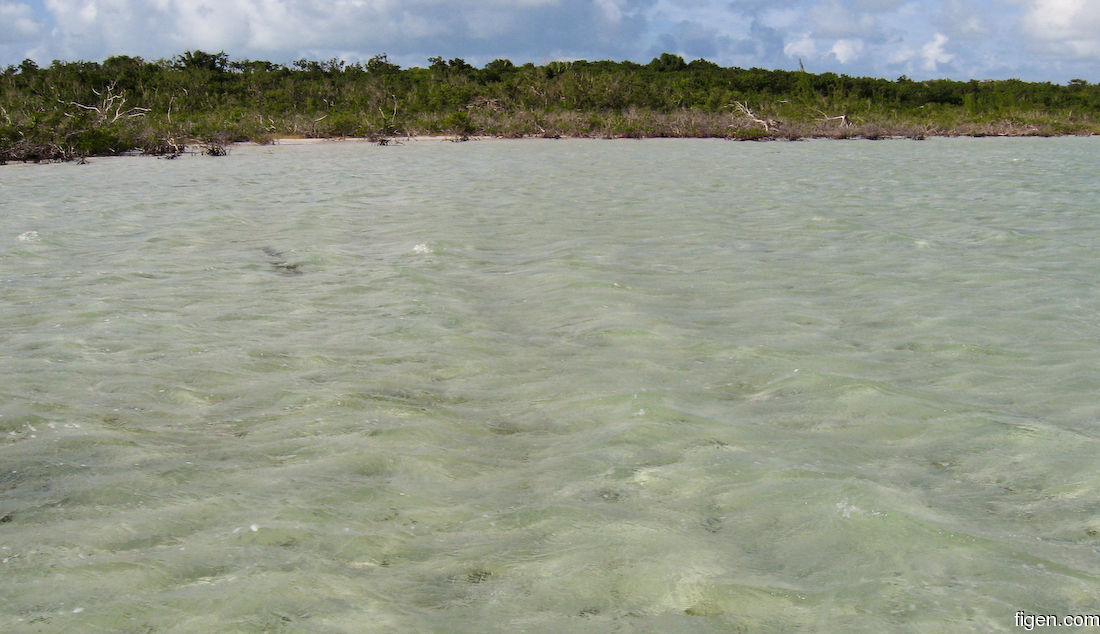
72, 109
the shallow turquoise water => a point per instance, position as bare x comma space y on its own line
667, 385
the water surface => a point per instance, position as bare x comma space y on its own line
663, 385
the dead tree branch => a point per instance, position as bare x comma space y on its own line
842, 118
393, 116
751, 116
110, 108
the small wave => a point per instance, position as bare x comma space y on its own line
422, 247
29, 236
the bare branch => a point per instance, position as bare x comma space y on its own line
751, 116
842, 118
80, 105
111, 102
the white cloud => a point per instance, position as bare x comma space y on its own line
900, 56
1069, 28
289, 28
17, 23
781, 18
834, 20
212, 26
934, 54
82, 29
802, 46
879, 5
251, 26
846, 50
612, 9
876, 37
963, 19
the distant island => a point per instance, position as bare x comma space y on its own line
127, 104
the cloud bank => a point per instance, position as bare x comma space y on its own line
1052, 40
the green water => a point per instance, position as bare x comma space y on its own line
667, 385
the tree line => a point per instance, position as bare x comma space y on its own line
123, 104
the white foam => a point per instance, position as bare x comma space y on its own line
29, 236
847, 510
422, 248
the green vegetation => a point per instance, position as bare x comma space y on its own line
125, 104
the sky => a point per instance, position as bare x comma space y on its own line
1033, 40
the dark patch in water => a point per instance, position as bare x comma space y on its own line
279, 261
712, 524
504, 428
478, 576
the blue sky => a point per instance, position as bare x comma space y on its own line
1040, 40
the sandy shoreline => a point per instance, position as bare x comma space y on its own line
427, 138
394, 139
